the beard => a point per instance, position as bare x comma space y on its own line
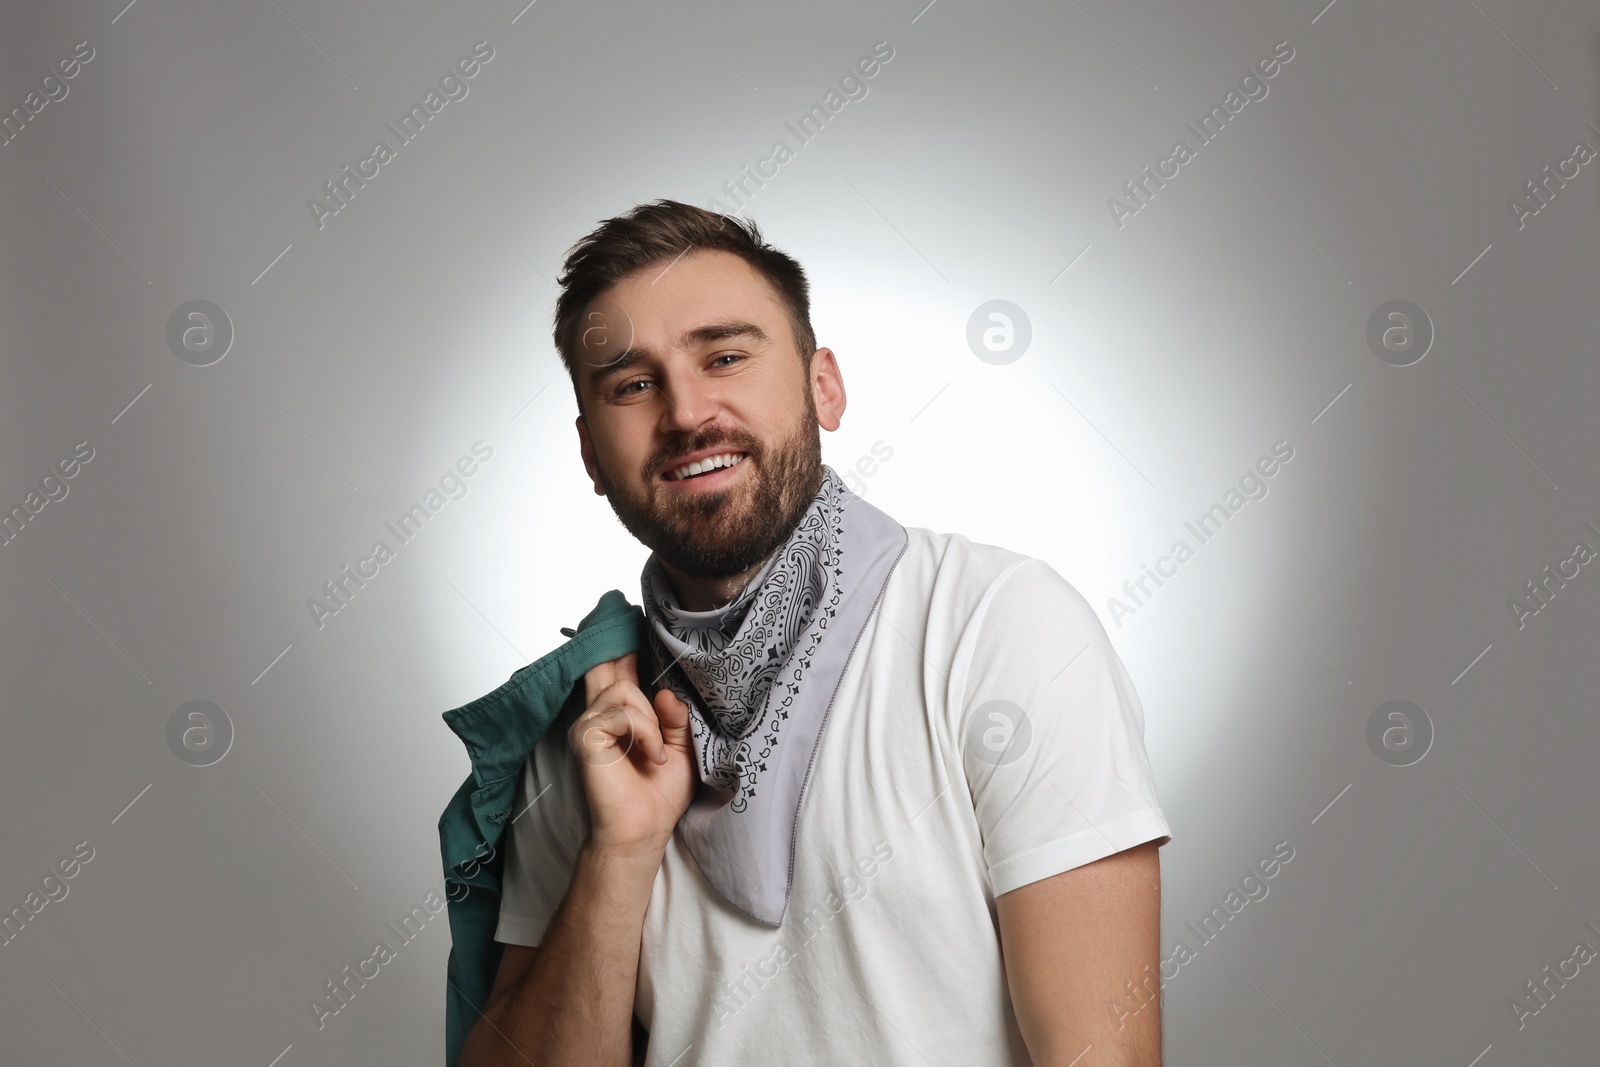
727, 532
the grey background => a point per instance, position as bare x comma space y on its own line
1230, 313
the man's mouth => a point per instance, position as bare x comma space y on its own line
701, 468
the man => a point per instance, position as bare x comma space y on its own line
890, 803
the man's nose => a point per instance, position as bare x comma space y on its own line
691, 401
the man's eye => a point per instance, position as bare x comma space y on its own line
622, 390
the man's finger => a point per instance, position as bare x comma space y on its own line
646, 731
621, 692
600, 677
628, 667
595, 736
601, 738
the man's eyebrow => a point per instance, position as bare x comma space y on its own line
628, 357
714, 331
721, 331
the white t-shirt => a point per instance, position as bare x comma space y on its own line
923, 806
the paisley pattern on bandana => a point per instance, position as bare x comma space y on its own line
740, 667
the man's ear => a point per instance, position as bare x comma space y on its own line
827, 386
586, 447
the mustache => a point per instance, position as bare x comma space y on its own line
672, 453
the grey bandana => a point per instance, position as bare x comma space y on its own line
759, 675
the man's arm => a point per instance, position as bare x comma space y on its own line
1070, 941
570, 1001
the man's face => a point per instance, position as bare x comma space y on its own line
709, 364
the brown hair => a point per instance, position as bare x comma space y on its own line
660, 232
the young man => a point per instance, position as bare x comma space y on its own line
890, 803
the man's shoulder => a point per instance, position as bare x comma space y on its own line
952, 552
955, 560
550, 797
959, 574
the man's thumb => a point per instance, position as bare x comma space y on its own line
673, 714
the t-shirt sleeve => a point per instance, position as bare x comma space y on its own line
549, 821
1052, 734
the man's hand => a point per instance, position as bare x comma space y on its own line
570, 1000
635, 760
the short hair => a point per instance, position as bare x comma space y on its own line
660, 232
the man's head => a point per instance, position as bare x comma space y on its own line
686, 335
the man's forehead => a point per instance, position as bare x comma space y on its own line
653, 310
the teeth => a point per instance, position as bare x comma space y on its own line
726, 459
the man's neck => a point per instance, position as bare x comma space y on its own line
707, 594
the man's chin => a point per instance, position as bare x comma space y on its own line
709, 549
709, 534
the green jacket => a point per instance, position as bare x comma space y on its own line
500, 730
